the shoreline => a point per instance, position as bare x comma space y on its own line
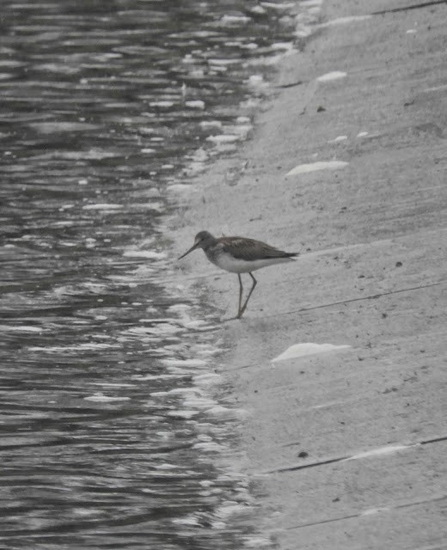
344, 447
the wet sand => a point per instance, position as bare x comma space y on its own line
346, 447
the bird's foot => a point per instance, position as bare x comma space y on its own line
230, 319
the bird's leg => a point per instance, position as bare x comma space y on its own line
244, 307
241, 290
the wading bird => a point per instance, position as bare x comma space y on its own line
239, 255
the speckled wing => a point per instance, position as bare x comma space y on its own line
250, 249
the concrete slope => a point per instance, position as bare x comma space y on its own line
346, 446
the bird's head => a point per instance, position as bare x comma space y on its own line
203, 239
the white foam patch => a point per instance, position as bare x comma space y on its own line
280, 6
157, 206
23, 328
334, 75
373, 511
209, 447
258, 9
381, 451
80, 347
223, 138
199, 324
206, 483
362, 134
163, 104
210, 124
302, 350
202, 403
337, 139
182, 414
311, 3
242, 129
190, 520
57, 224
166, 475
234, 19
229, 508
316, 166
222, 62
100, 397
256, 80
166, 466
183, 188
195, 104
184, 362
170, 393
113, 385
157, 320
102, 206
51, 127
345, 20
162, 329
92, 154
148, 254
436, 88
158, 376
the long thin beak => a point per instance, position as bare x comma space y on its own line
190, 250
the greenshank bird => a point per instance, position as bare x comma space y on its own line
239, 255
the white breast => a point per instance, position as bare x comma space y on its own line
227, 262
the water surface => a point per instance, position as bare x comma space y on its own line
117, 430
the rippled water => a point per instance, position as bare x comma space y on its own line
116, 431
